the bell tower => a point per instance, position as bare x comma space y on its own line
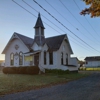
39, 31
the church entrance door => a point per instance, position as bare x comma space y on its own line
36, 59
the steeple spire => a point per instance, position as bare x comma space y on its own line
39, 31
39, 22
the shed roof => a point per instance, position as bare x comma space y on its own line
92, 58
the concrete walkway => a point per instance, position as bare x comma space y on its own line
83, 89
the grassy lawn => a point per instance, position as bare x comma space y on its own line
15, 83
91, 69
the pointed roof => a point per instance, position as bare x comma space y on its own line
39, 22
92, 58
53, 43
26, 40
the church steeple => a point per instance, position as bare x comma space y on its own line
39, 31
39, 22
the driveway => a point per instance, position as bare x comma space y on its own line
83, 89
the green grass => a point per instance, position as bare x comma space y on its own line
93, 69
16, 83
90, 69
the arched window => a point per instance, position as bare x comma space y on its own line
20, 58
12, 59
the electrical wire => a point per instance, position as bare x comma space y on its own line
77, 20
69, 22
50, 21
86, 18
65, 26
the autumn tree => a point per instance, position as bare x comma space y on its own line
93, 10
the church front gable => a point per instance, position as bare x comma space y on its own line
35, 47
45, 47
14, 53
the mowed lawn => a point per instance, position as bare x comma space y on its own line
11, 83
90, 68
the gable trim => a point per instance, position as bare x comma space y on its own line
3, 52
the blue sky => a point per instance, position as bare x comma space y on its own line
15, 19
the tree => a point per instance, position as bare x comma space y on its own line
94, 8
81, 63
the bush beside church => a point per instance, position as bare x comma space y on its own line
21, 70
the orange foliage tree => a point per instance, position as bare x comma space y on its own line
93, 10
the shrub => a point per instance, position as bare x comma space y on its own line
56, 71
21, 70
13, 70
9, 70
5, 70
32, 70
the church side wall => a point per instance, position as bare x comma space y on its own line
11, 49
64, 48
57, 57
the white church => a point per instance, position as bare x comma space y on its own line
51, 53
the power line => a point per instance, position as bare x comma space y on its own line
68, 21
76, 19
80, 45
65, 26
62, 15
48, 20
36, 17
86, 18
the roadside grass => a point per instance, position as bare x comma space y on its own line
11, 83
93, 69
90, 69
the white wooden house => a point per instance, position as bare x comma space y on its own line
93, 61
52, 53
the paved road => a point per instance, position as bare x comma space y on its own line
83, 89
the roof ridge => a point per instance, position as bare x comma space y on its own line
23, 35
56, 36
93, 56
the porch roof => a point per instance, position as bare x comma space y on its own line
32, 52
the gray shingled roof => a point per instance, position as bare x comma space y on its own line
93, 58
27, 40
39, 22
54, 43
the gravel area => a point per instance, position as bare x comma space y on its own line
87, 88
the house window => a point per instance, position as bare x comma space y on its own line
66, 59
12, 59
51, 57
61, 58
45, 57
20, 58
